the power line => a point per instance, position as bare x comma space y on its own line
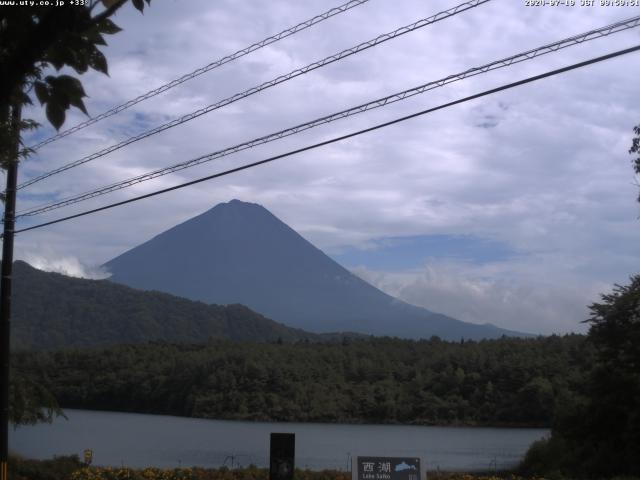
215, 64
520, 57
271, 83
343, 137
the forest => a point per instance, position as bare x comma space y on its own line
507, 382
53, 311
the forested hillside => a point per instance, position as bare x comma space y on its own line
495, 382
52, 311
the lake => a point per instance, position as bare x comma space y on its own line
156, 440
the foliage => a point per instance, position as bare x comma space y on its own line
30, 402
7, 139
38, 39
510, 381
547, 455
612, 430
54, 311
438, 475
599, 434
122, 473
615, 328
250, 473
71, 468
56, 469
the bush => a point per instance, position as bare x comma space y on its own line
58, 468
545, 457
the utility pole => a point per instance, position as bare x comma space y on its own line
5, 286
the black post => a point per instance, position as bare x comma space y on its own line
282, 456
5, 288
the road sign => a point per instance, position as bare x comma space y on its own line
386, 468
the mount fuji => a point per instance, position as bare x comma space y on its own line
239, 252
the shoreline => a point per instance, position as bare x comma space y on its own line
256, 420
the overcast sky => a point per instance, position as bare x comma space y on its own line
516, 209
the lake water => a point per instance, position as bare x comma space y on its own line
156, 440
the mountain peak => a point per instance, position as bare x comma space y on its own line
239, 252
234, 207
238, 204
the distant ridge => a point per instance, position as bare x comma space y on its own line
53, 311
239, 252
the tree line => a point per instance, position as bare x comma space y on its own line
505, 382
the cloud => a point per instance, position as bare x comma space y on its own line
512, 296
67, 265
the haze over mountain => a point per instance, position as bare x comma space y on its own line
239, 252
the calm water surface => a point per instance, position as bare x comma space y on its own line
157, 440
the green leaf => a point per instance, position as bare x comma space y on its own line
79, 104
108, 27
80, 62
55, 114
42, 92
66, 84
25, 99
82, 67
138, 4
94, 37
56, 56
65, 91
98, 62
77, 53
29, 124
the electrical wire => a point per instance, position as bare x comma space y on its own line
271, 83
207, 68
342, 137
520, 57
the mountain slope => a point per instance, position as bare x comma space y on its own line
52, 311
239, 252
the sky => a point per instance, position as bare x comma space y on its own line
517, 209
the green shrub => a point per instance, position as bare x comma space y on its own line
59, 468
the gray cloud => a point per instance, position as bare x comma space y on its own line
518, 295
68, 265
